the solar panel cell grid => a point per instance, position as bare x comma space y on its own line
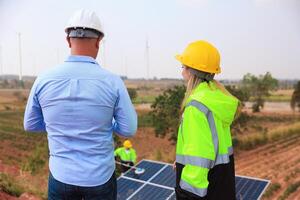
166, 177
150, 192
126, 188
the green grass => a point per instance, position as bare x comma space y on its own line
144, 99
275, 98
8, 185
279, 98
289, 190
293, 174
37, 160
6, 136
145, 120
271, 189
26, 150
158, 155
16, 139
251, 141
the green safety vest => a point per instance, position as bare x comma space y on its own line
129, 156
204, 138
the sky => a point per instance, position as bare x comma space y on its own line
253, 36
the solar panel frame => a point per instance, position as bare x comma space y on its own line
172, 196
149, 181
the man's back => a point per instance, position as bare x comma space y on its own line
76, 103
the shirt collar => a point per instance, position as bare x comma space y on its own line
77, 58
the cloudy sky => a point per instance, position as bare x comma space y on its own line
252, 36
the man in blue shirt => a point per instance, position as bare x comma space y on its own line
80, 104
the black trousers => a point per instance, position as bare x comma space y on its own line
124, 168
221, 183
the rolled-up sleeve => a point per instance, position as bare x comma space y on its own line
33, 116
125, 122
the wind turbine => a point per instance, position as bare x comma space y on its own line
20, 56
147, 58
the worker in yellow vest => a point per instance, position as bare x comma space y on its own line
204, 154
126, 154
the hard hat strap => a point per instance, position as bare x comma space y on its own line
202, 75
83, 33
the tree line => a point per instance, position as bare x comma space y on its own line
166, 107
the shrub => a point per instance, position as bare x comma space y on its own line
145, 120
132, 93
295, 100
259, 88
165, 112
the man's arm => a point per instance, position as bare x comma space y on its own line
33, 116
125, 123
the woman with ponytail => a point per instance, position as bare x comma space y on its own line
204, 154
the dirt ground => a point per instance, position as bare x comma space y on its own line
25, 196
278, 161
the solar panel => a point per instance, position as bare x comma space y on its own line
249, 188
158, 183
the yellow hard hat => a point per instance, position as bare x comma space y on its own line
202, 56
127, 144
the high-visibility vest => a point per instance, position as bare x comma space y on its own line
204, 138
129, 155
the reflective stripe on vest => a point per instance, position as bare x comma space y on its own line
211, 122
224, 158
198, 191
195, 160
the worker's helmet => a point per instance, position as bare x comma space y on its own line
84, 24
202, 56
127, 144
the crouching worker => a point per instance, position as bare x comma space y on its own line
127, 155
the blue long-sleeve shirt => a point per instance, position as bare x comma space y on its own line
79, 104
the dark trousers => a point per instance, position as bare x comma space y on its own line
124, 168
221, 180
61, 191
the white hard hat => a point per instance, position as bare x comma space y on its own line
84, 19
